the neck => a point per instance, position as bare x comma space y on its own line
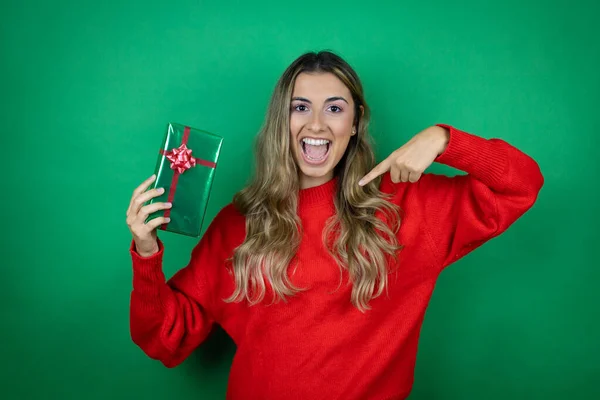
307, 182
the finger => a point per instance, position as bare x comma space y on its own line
141, 199
404, 173
414, 176
138, 224
381, 168
156, 222
395, 174
151, 208
140, 189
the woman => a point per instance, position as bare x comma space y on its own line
322, 268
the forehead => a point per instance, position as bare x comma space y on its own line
320, 85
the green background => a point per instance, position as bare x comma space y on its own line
87, 88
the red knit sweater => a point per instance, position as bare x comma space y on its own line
317, 345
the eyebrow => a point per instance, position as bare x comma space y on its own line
327, 101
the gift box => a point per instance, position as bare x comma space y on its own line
186, 168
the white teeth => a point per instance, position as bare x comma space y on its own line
315, 142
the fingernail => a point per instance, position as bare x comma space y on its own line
168, 204
361, 182
160, 190
168, 219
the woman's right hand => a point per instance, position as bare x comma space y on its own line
144, 234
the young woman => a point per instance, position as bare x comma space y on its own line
321, 269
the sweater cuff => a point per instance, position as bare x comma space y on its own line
148, 275
474, 155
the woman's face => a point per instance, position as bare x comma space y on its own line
321, 124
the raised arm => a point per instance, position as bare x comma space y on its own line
169, 318
463, 212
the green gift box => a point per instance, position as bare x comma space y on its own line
185, 169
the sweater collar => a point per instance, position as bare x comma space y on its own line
318, 195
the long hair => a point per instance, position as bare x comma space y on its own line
356, 238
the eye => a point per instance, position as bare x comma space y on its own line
300, 107
335, 109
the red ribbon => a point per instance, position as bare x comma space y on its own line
181, 160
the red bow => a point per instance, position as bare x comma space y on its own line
181, 158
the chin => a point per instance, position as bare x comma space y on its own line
311, 176
312, 172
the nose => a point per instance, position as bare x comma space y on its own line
316, 123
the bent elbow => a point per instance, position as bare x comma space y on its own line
538, 179
527, 187
158, 352
151, 345
535, 184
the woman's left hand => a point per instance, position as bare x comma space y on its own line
410, 161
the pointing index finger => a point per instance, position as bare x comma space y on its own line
379, 169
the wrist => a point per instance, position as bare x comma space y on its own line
147, 252
441, 138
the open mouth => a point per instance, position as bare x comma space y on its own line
315, 151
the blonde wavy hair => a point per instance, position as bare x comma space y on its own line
356, 238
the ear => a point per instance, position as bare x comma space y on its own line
362, 114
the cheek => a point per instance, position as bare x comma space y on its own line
342, 132
341, 146
342, 129
342, 125
295, 124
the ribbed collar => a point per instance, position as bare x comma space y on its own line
318, 195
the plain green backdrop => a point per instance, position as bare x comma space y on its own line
88, 87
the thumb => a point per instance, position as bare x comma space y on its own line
380, 169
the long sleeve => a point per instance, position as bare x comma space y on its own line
169, 319
463, 212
